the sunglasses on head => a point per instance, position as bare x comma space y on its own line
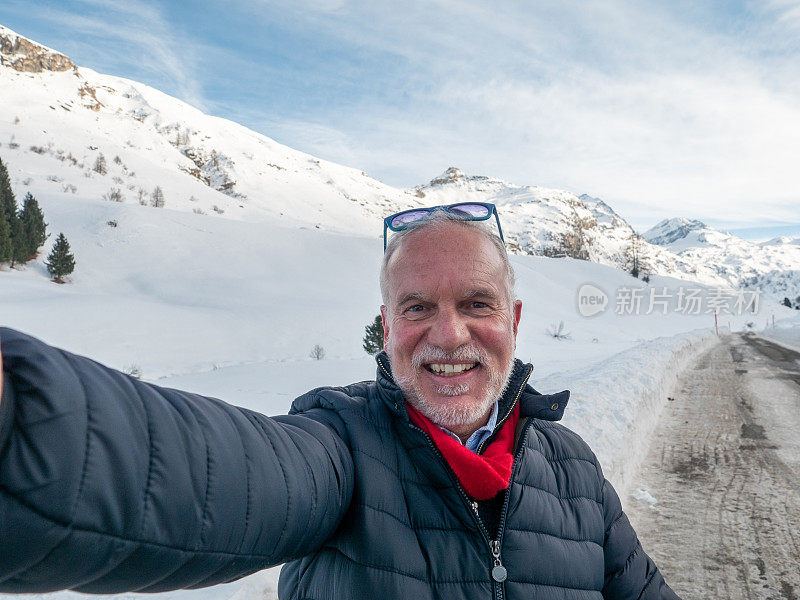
466, 211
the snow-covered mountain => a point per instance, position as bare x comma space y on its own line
538, 220
677, 230
60, 118
773, 266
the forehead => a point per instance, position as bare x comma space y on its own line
447, 256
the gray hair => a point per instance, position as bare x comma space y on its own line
436, 219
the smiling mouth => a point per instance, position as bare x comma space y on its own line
450, 370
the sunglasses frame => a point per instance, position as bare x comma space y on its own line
492, 210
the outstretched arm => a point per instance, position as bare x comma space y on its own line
110, 484
630, 574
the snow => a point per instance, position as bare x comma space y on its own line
786, 333
646, 497
229, 304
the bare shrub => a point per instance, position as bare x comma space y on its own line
317, 352
114, 195
557, 331
217, 209
157, 198
133, 370
100, 165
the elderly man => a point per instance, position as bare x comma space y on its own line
446, 477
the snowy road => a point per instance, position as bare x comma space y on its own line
724, 475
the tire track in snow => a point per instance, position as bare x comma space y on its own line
724, 468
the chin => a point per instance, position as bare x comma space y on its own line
452, 412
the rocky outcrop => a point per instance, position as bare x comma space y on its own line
26, 56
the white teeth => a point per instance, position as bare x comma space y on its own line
448, 369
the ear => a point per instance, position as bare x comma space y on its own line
385, 321
516, 315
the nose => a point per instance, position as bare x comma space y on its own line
448, 330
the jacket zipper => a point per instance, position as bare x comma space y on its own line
494, 545
498, 571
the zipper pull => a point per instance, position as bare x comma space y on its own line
499, 572
475, 507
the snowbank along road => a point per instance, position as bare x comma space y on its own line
717, 501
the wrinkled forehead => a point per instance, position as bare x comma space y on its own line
458, 260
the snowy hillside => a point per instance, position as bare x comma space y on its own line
773, 266
58, 118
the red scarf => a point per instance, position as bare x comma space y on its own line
483, 476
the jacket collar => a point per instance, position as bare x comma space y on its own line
531, 403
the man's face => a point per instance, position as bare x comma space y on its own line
449, 327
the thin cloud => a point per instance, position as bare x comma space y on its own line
133, 34
650, 108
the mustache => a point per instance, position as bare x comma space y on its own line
430, 353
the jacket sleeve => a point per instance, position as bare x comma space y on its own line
630, 574
110, 484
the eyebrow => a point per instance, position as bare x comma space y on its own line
481, 293
410, 296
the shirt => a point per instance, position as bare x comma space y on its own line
474, 441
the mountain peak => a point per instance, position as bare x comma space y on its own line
451, 175
22, 54
671, 230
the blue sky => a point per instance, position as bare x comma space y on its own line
660, 108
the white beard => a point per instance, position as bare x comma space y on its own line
455, 414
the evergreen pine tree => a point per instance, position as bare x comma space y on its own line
5, 237
33, 225
60, 262
7, 199
373, 336
19, 242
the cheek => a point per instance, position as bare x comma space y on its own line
499, 340
404, 338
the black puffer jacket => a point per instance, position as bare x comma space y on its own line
110, 484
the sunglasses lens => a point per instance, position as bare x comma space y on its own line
471, 211
403, 219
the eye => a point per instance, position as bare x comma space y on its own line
478, 304
415, 308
